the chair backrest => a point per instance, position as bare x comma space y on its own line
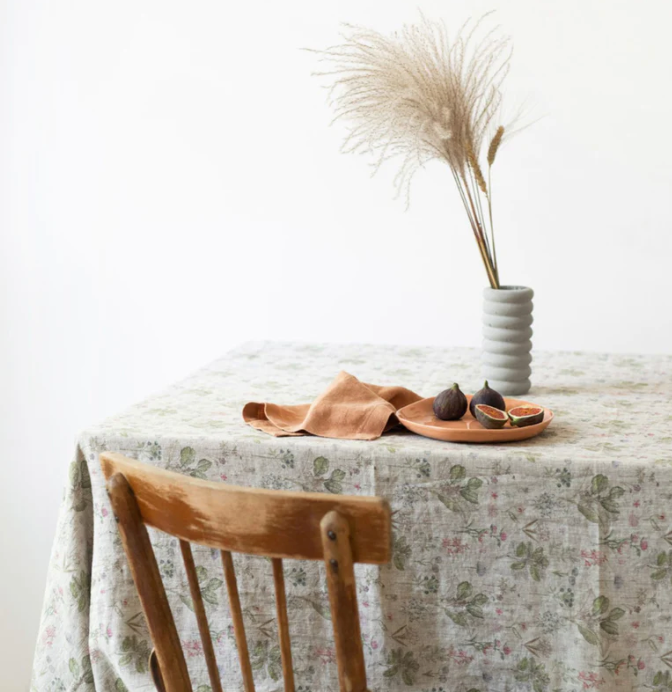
340, 530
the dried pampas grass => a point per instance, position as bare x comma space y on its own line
420, 95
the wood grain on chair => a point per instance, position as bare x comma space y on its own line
340, 530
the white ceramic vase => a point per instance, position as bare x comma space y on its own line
507, 334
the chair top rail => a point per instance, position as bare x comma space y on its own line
272, 523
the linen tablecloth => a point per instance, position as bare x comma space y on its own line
543, 565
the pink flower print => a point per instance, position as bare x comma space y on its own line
494, 479
635, 625
358, 486
494, 496
454, 546
643, 544
104, 511
223, 476
374, 644
461, 657
633, 520
49, 636
502, 536
499, 611
590, 680
193, 648
595, 557
506, 650
636, 503
365, 604
108, 632
640, 664
325, 654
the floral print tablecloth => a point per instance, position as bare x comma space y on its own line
544, 565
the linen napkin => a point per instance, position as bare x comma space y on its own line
348, 409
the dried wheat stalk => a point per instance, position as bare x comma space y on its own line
420, 95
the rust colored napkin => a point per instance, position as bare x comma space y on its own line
348, 409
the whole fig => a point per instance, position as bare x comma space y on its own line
487, 397
451, 404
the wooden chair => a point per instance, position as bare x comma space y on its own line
340, 530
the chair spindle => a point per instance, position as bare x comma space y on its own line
201, 617
283, 625
237, 617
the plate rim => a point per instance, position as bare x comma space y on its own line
496, 435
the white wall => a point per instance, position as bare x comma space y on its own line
169, 187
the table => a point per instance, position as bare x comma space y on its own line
541, 565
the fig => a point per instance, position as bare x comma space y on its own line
526, 415
490, 417
451, 404
487, 397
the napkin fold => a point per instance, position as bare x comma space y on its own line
348, 409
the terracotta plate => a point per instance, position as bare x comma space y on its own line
419, 418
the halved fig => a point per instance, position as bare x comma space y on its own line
490, 417
526, 415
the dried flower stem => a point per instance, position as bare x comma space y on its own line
422, 95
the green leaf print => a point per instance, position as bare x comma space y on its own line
457, 473
603, 617
528, 670
119, 685
320, 466
209, 592
589, 635
265, 656
333, 484
470, 492
464, 590
80, 587
187, 456
87, 671
456, 490
599, 484
135, 653
404, 664
466, 604
320, 609
400, 552
80, 481
662, 682
531, 558
203, 465
664, 566
600, 501
600, 605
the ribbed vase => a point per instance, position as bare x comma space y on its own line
507, 334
